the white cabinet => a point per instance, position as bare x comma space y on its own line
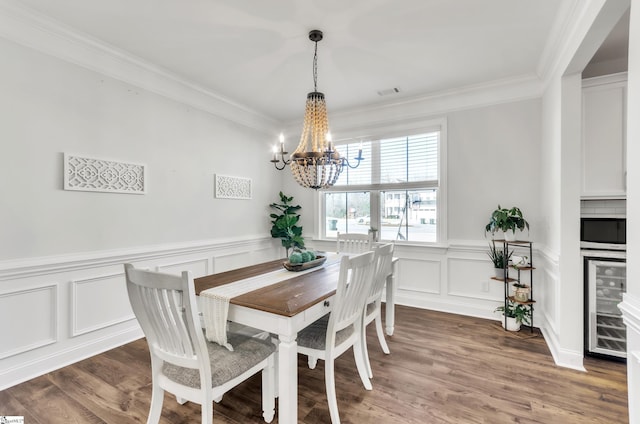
604, 110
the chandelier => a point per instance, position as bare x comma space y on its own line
315, 163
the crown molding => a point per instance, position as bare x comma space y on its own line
42, 33
563, 51
556, 42
524, 87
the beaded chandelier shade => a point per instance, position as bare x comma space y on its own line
315, 163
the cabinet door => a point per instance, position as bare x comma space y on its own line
603, 149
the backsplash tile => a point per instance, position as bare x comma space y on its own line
614, 207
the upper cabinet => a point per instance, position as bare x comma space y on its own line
604, 111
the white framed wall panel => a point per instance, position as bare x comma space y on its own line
198, 267
99, 302
419, 275
468, 277
231, 261
87, 311
40, 318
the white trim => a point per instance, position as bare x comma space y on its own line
630, 308
43, 364
53, 319
30, 28
75, 327
619, 78
29, 267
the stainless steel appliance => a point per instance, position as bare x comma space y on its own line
603, 247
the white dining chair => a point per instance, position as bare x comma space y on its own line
183, 362
373, 310
354, 242
332, 335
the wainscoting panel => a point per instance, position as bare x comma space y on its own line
198, 267
99, 302
47, 326
40, 318
422, 276
471, 278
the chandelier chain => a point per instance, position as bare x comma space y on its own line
315, 68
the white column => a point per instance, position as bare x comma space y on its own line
631, 304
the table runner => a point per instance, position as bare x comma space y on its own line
215, 301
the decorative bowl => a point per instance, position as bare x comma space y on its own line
306, 265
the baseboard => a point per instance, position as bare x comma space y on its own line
61, 358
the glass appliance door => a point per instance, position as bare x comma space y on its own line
607, 283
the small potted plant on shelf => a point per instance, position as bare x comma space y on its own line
521, 292
506, 220
516, 314
498, 259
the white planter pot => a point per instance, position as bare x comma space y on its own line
512, 324
499, 273
510, 235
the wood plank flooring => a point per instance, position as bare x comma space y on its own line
443, 368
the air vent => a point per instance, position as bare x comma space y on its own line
394, 90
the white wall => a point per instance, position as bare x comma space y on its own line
493, 158
50, 107
62, 289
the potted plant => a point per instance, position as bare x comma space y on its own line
506, 220
284, 224
516, 314
498, 259
521, 292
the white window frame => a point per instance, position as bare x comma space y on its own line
386, 132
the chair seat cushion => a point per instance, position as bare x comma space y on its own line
315, 335
225, 365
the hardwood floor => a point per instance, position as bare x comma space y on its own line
443, 368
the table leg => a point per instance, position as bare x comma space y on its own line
288, 380
390, 306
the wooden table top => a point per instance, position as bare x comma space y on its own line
286, 298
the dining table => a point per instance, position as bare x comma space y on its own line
284, 308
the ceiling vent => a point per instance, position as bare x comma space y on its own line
394, 90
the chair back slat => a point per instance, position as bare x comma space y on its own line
353, 288
383, 259
164, 305
354, 243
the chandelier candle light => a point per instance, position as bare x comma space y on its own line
315, 163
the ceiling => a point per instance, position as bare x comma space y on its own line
257, 53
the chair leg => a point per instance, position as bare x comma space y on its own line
155, 410
268, 391
207, 410
381, 339
330, 383
312, 361
360, 364
365, 350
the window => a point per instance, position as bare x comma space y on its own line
396, 189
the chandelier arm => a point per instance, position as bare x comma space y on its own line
345, 161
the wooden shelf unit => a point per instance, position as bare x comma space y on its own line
519, 269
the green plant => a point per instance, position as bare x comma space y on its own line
522, 313
284, 224
506, 219
497, 256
